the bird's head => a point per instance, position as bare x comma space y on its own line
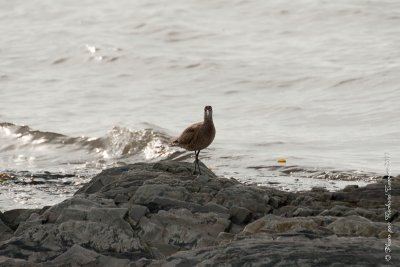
207, 112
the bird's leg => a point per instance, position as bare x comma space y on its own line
197, 161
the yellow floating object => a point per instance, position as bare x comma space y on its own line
281, 160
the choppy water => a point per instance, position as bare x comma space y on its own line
103, 83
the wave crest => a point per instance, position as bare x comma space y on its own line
119, 144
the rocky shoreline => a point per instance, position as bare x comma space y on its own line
158, 214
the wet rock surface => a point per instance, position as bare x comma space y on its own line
158, 214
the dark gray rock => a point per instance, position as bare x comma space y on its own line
148, 192
239, 215
304, 212
251, 198
159, 214
350, 188
272, 224
370, 196
79, 256
356, 226
15, 262
14, 217
136, 212
336, 210
78, 203
285, 211
5, 231
182, 228
263, 251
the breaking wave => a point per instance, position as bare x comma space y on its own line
22, 145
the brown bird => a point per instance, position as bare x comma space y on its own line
197, 136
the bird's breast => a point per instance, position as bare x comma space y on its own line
205, 136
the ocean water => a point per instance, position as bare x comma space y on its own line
86, 85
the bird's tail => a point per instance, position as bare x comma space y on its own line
174, 142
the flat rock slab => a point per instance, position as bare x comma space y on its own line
286, 252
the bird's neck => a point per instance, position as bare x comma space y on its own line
208, 118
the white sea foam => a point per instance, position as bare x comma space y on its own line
156, 149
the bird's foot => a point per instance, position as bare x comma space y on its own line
195, 172
196, 167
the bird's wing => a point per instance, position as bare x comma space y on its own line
188, 134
